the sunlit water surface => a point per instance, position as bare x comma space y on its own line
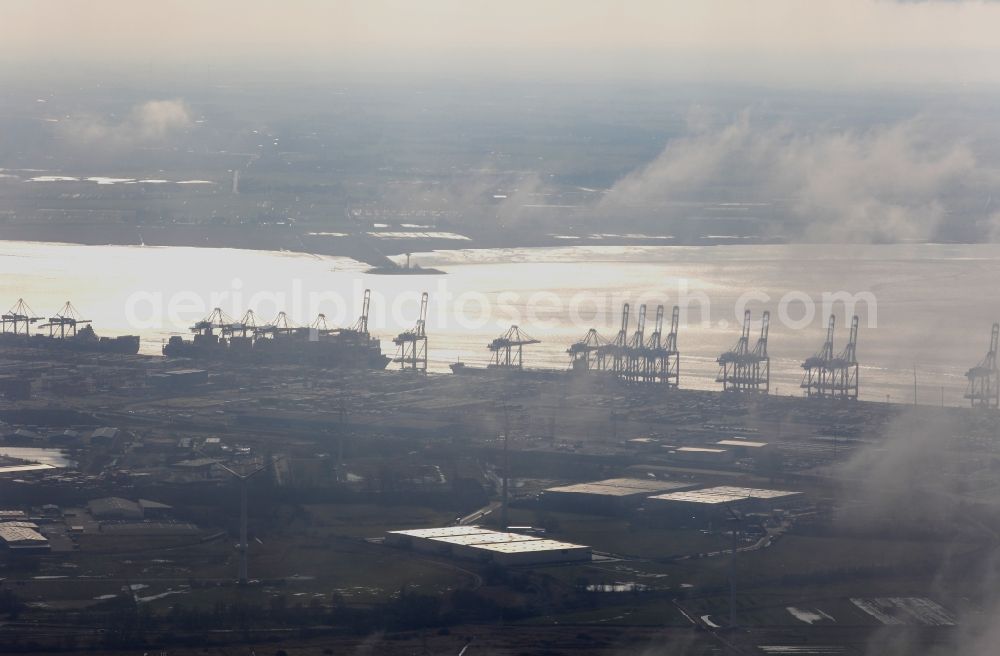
934, 303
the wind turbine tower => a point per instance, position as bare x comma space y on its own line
242, 546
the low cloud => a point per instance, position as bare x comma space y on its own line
889, 183
151, 123
921, 484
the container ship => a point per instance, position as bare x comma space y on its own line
67, 332
218, 337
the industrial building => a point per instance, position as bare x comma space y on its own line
104, 436
424, 539
720, 498
474, 543
23, 539
534, 552
743, 447
115, 508
119, 508
467, 546
608, 496
154, 509
700, 455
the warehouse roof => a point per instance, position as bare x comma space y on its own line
723, 494
699, 449
20, 524
620, 487
444, 532
19, 535
529, 546
746, 443
485, 538
147, 504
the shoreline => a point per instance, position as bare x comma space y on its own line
358, 246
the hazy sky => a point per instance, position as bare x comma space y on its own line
793, 42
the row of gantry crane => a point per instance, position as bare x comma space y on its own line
743, 368
655, 359
746, 368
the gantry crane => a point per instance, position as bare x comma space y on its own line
635, 350
411, 345
207, 331
217, 320
319, 327
244, 328
761, 360
672, 375
281, 325
984, 379
508, 349
632, 358
818, 376
616, 348
66, 320
653, 360
241, 333
589, 353
361, 326
844, 367
662, 358
742, 369
18, 319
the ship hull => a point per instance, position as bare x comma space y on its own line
331, 352
124, 345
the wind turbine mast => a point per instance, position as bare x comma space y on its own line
242, 547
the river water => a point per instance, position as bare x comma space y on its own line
928, 307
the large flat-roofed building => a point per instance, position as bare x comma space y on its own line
22, 539
423, 539
533, 552
609, 495
474, 543
717, 498
467, 546
743, 447
701, 455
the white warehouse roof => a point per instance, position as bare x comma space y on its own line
619, 487
444, 532
723, 494
19, 535
530, 546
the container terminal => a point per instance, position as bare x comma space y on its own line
605, 500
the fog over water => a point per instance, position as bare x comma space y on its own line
934, 304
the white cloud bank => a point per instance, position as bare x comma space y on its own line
885, 184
